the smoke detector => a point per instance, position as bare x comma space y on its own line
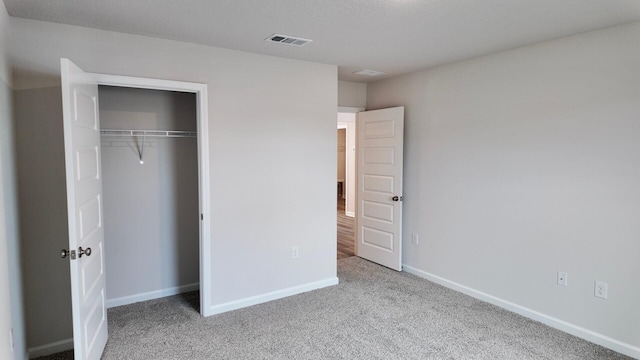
288, 40
369, 72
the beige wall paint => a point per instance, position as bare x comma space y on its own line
260, 123
351, 94
524, 163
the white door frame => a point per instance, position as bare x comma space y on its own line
348, 109
202, 121
354, 110
346, 165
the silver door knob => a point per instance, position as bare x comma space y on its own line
64, 253
397, 198
82, 251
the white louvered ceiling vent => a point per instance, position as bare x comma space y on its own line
288, 40
369, 72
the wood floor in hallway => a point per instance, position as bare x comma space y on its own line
346, 232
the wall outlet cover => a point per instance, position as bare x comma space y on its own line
562, 278
601, 290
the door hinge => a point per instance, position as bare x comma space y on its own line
201, 216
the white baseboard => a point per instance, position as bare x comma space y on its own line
52, 348
274, 295
126, 300
67, 344
350, 213
591, 336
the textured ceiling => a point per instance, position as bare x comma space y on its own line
393, 36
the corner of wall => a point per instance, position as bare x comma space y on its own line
452, 114
11, 282
352, 94
4, 31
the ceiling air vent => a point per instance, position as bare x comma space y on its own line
289, 40
369, 72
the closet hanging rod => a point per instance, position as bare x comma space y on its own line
148, 133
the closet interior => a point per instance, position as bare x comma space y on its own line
149, 164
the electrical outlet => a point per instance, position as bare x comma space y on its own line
601, 290
562, 278
295, 252
414, 239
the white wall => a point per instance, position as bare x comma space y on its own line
151, 211
260, 123
6, 351
351, 94
11, 318
524, 163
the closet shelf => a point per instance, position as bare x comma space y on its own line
147, 133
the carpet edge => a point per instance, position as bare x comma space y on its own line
50, 349
575, 330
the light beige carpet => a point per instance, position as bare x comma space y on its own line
374, 313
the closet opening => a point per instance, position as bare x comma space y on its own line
150, 183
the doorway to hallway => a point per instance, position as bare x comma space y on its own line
345, 212
346, 232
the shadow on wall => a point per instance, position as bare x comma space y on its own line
35, 79
9, 233
43, 214
183, 185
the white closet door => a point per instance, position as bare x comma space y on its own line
84, 207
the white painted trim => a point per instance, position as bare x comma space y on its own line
350, 213
147, 83
202, 101
270, 296
348, 109
204, 184
51, 348
150, 295
553, 322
